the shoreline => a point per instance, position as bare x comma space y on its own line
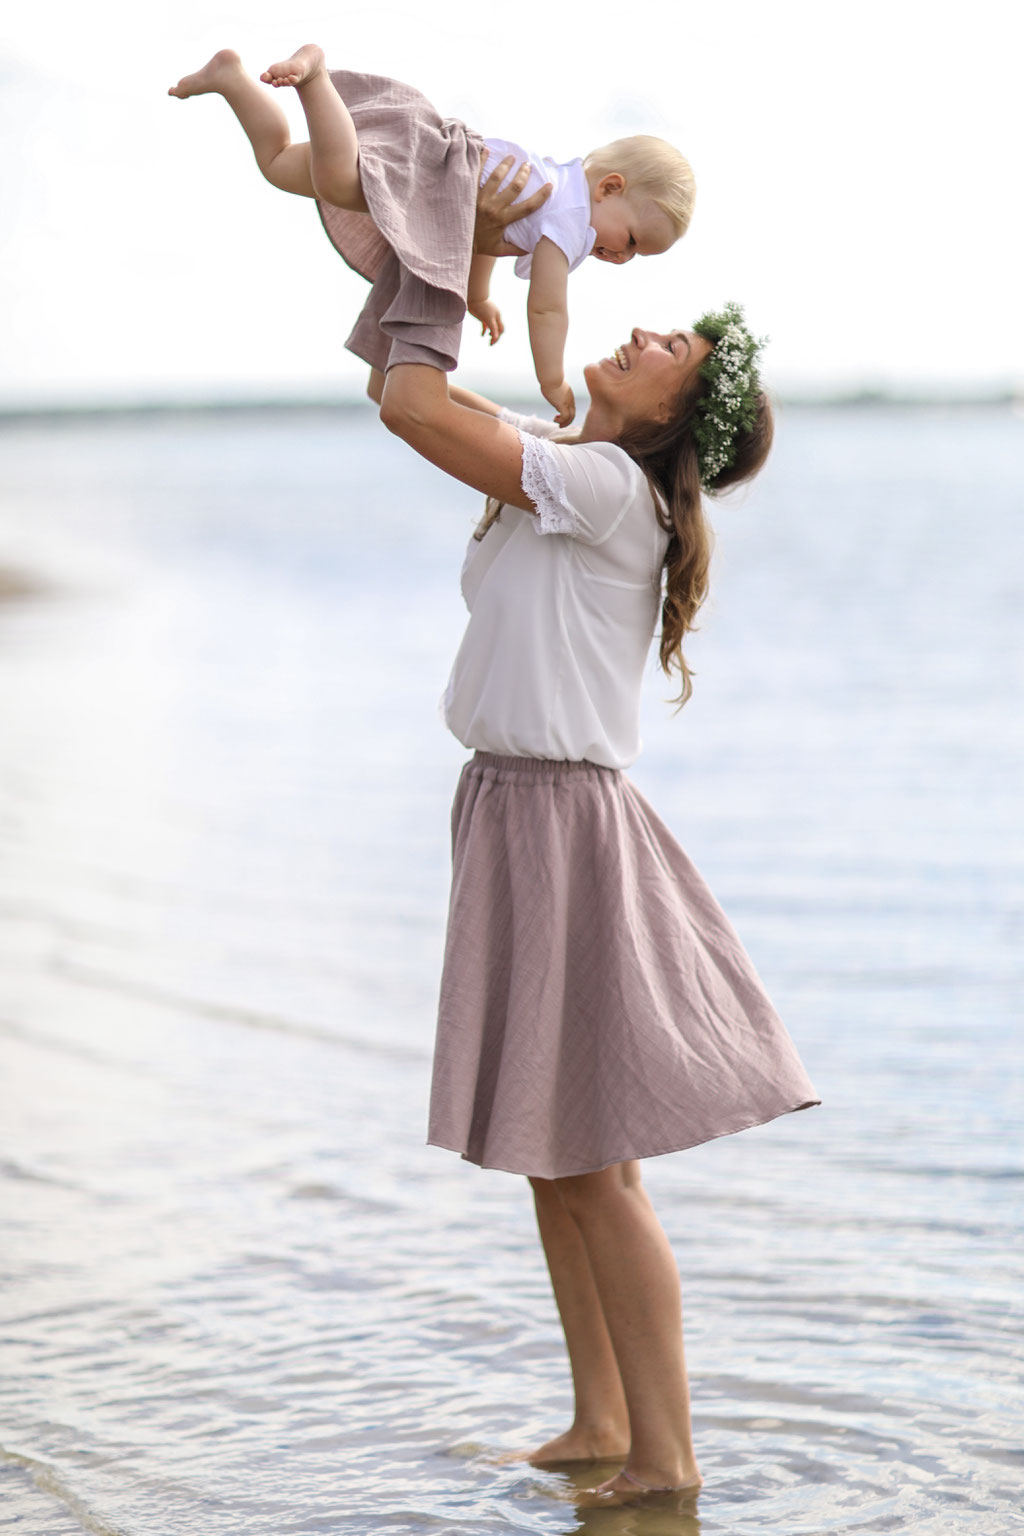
134, 410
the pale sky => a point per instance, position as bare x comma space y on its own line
858, 172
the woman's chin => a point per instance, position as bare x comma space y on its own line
603, 365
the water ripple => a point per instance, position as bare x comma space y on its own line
240, 1294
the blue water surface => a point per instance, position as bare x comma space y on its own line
240, 1294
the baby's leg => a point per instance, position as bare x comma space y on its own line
284, 164
333, 142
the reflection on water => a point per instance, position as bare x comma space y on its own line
241, 1295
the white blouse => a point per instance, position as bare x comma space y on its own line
563, 605
564, 218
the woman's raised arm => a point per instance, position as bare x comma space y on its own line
465, 440
466, 397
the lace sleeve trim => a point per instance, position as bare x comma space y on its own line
545, 487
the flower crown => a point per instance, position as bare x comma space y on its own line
729, 402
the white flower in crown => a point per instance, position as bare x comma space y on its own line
731, 388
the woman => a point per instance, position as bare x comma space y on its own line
596, 1005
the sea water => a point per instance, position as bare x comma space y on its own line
240, 1293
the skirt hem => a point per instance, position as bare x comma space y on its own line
628, 1157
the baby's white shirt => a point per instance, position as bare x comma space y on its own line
564, 218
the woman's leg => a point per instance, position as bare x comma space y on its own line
333, 142
600, 1428
637, 1281
284, 164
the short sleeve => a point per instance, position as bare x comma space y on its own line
581, 490
572, 234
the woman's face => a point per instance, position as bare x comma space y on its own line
642, 380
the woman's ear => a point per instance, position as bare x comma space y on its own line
612, 185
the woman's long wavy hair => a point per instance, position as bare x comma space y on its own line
667, 454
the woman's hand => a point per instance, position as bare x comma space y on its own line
489, 315
494, 206
561, 397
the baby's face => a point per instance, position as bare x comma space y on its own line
627, 227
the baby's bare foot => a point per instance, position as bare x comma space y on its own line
213, 76
304, 63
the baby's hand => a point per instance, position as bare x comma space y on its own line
489, 315
561, 397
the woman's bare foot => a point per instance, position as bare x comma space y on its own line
625, 1488
213, 76
576, 1444
579, 1444
304, 63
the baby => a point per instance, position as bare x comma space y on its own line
396, 186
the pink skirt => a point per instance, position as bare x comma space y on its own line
596, 1003
419, 175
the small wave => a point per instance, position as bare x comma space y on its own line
46, 1481
950, 1171
226, 1013
10, 1169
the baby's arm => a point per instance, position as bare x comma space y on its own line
547, 312
478, 301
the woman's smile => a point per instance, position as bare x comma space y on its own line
674, 352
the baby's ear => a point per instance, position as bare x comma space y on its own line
612, 185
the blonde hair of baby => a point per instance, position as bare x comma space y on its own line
652, 168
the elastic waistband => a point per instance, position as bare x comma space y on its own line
546, 768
